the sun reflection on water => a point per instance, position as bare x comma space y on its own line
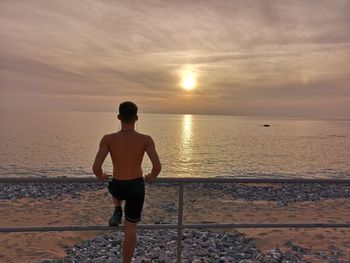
186, 138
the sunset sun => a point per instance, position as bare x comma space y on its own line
188, 81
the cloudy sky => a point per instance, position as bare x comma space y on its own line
284, 58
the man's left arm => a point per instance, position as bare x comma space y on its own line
100, 157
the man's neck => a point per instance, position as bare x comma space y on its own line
128, 127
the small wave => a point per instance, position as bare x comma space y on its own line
337, 136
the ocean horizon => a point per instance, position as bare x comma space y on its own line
64, 143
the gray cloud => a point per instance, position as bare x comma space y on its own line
250, 56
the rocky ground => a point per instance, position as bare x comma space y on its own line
160, 246
283, 194
10, 191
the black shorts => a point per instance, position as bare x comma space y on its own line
133, 192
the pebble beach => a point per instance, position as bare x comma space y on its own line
84, 204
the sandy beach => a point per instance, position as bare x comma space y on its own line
95, 207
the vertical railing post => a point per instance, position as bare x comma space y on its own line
180, 223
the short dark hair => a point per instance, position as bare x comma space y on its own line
127, 111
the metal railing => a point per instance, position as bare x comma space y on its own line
180, 225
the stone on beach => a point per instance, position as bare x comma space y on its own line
160, 246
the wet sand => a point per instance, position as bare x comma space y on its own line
95, 207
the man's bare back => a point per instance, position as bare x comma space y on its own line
127, 149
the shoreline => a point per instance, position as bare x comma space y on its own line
202, 204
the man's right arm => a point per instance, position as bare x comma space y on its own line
103, 151
153, 155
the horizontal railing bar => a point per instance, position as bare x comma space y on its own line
287, 225
168, 226
81, 228
176, 180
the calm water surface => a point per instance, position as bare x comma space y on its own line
65, 144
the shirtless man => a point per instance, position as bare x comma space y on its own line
127, 148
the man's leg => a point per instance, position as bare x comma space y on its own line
115, 220
116, 202
129, 241
133, 210
118, 211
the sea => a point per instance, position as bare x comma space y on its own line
64, 143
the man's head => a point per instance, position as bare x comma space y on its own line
128, 112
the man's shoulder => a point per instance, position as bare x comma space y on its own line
105, 139
109, 137
147, 139
145, 136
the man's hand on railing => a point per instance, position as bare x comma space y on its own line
104, 176
149, 178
